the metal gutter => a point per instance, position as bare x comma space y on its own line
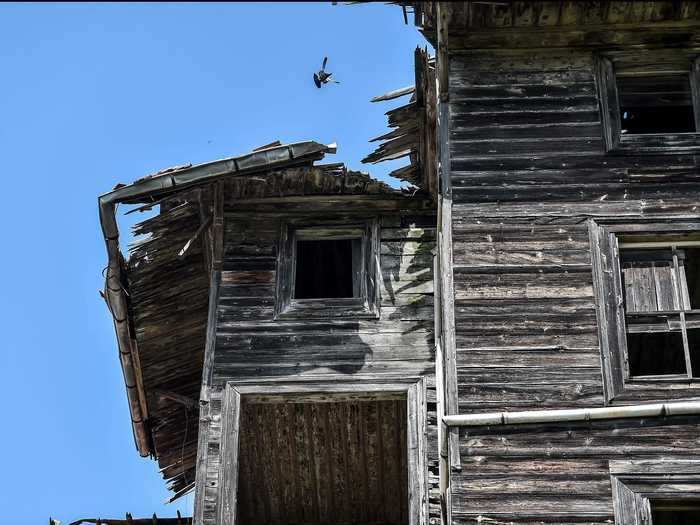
572, 415
147, 189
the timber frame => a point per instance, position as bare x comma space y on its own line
635, 483
412, 389
607, 286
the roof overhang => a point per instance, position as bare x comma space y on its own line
149, 190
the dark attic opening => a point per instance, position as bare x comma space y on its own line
328, 268
330, 463
656, 104
670, 512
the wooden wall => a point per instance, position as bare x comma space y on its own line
557, 474
331, 462
528, 168
251, 345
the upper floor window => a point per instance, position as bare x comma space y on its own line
661, 289
647, 285
650, 105
655, 104
327, 270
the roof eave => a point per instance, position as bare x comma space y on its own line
149, 188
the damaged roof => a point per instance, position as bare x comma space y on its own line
413, 128
158, 296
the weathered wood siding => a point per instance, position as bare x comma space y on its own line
528, 168
557, 474
252, 345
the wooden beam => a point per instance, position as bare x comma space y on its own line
216, 258
445, 277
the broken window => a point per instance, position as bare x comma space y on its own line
655, 104
328, 269
650, 106
646, 279
660, 285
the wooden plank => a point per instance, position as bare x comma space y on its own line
228, 473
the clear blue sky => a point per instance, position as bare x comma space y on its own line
92, 95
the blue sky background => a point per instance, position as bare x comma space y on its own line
92, 95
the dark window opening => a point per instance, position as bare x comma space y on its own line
691, 271
659, 353
683, 512
655, 104
327, 269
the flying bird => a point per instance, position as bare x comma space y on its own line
323, 77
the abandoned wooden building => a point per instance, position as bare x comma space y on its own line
514, 340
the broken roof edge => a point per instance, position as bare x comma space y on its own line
256, 160
148, 189
114, 293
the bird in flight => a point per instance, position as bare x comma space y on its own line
323, 77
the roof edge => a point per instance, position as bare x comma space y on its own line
164, 182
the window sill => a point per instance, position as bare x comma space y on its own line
354, 308
679, 379
653, 144
656, 389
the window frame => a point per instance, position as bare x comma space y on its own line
366, 306
660, 143
410, 388
611, 315
636, 482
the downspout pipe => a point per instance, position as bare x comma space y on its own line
147, 189
573, 415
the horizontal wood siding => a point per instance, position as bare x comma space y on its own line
528, 169
251, 344
557, 474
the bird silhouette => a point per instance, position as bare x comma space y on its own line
323, 76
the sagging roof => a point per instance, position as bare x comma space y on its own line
414, 126
158, 296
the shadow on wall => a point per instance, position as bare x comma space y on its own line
252, 344
407, 275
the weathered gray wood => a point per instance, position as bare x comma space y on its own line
529, 168
228, 471
445, 257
